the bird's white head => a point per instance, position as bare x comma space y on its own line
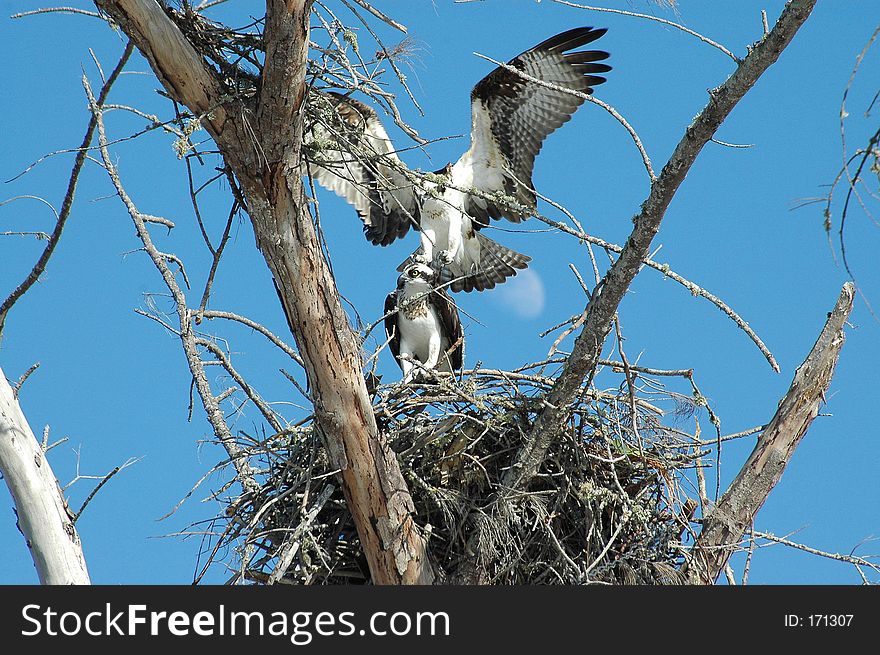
416, 278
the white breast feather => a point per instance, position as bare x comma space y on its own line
415, 334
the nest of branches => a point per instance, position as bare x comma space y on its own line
608, 506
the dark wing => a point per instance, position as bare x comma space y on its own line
511, 117
347, 150
391, 329
497, 263
448, 314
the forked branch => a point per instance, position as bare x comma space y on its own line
67, 203
259, 140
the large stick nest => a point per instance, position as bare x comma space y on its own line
606, 507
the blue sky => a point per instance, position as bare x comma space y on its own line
115, 384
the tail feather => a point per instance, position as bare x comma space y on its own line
497, 263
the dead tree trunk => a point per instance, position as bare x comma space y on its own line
735, 511
260, 141
43, 516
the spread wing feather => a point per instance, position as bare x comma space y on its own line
348, 152
511, 117
497, 263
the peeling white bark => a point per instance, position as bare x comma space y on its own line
43, 516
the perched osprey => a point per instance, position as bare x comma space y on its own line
349, 152
422, 323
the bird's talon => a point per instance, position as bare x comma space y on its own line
445, 257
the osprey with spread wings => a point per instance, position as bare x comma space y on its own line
349, 152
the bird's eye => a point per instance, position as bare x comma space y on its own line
414, 272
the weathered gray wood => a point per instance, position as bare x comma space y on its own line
724, 526
43, 516
261, 143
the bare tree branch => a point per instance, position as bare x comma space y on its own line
58, 10
67, 204
186, 334
694, 288
244, 320
378, 14
735, 511
173, 59
858, 562
43, 515
702, 38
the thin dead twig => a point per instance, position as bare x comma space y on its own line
67, 203
657, 19
244, 471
